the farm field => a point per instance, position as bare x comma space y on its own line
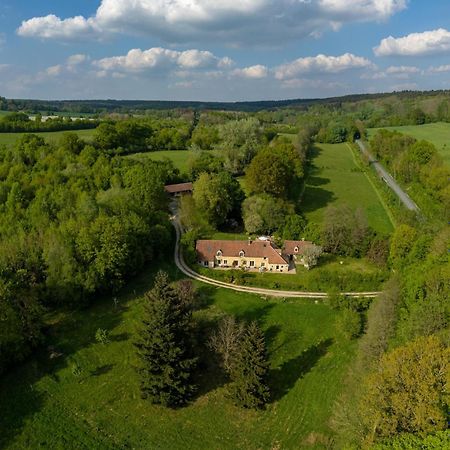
49, 136
179, 157
336, 179
45, 405
436, 133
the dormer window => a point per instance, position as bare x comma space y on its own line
296, 249
242, 253
219, 253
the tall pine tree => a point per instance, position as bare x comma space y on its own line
165, 347
250, 369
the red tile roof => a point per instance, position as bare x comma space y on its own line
289, 247
207, 250
178, 188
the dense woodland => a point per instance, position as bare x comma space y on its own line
78, 219
74, 222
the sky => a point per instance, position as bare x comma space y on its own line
221, 50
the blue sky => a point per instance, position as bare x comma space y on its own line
222, 50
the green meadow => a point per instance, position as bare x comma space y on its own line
335, 178
436, 133
46, 404
49, 136
179, 157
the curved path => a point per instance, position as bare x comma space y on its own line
179, 261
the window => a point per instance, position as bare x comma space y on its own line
252, 263
296, 249
219, 253
242, 253
278, 267
262, 264
225, 262
219, 262
205, 263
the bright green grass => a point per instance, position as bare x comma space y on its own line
335, 179
343, 274
43, 405
179, 157
436, 133
49, 136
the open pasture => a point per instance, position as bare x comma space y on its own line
49, 136
47, 404
436, 133
336, 179
179, 157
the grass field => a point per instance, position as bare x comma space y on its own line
336, 179
343, 274
44, 405
51, 136
436, 133
179, 157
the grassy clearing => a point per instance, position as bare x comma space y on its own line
179, 157
336, 179
44, 405
436, 133
49, 136
332, 274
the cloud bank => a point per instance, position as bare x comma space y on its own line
415, 44
229, 21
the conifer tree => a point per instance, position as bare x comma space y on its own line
250, 370
164, 347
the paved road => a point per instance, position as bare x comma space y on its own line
179, 261
387, 178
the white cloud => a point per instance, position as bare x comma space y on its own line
415, 44
52, 27
228, 21
373, 76
321, 64
54, 71
157, 58
255, 72
439, 69
402, 69
75, 60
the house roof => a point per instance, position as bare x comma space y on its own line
289, 247
207, 250
178, 188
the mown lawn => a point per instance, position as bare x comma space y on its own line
334, 273
436, 133
50, 136
44, 405
179, 157
336, 179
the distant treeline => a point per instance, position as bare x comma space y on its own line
124, 106
21, 123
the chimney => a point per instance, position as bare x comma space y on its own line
250, 241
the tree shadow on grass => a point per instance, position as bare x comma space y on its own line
120, 337
205, 296
19, 400
315, 198
283, 378
102, 370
